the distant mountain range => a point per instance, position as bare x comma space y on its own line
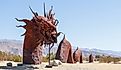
15, 47
11, 46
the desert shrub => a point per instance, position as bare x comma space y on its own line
9, 57
105, 59
108, 59
52, 56
97, 57
115, 60
17, 58
46, 58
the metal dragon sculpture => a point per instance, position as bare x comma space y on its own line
40, 31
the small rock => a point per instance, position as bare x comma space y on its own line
9, 64
56, 63
48, 66
19, 64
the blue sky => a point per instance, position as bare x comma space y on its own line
86, 23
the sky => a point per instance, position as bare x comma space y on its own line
86, 23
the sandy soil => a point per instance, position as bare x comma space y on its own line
65, 66
87, 66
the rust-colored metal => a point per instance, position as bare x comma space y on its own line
76, 55
64, 52
90, 58
81, 58
40, 30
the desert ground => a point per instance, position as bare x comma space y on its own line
65, 66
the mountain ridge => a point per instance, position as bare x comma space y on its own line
15, 47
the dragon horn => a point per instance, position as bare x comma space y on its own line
44, 11
33, 12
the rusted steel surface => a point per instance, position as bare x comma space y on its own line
40, 30
90, 58
76, 55
81, 58
64, 52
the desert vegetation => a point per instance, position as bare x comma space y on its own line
9, 57
17, 58
46, 58
107, 59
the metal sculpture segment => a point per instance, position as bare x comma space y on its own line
77, 55
40, 31
90, 58
64, 52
